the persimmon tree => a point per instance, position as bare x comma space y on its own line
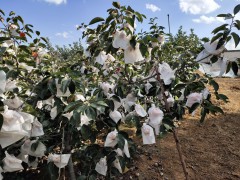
72, 112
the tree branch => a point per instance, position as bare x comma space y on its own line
174, 130
180, 153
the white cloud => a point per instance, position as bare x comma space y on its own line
198, 6
57, 2
63, 34
209, 20
153, 7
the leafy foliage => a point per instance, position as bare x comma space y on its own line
83, 101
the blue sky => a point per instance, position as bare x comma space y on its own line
57, 19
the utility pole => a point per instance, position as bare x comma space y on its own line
169, 25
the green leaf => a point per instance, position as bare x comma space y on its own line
50, 172
139, 16
42, 45
81, 108
38, 33
222, 97
102, 103
116, 5
82, 177
228, 38
214, 38
222, 27
155, 49
121, 141
34, 146
216, 109
44, 39
86, 132
236, 9
179, 87
91, 113
98, 107
228, 16
24, 48
11, 13
214, 84
4, 39
221, 15
133, 43
143, 49
12, 73
213, 109
52, 86
72, 87
28, 34
76, 120
109, 19
35, 41
29, 109
237, 24
203, 115
71, 106
20, 19
130, 20
111, 105
92, 177
214, 59
235, 68
119, 92
95, 20
193, 107
1, 121
2, 50
64, 85
130, 9
221, 41
236, 38
229, 66
2, 12
1, 107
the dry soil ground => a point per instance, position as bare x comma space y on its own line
211, 150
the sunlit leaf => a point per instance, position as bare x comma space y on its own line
116, 5
71, 106
220, 28
95, 20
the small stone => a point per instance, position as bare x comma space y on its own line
156, 164
161, 173
137, 174
130, 177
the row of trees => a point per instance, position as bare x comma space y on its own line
68, 108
